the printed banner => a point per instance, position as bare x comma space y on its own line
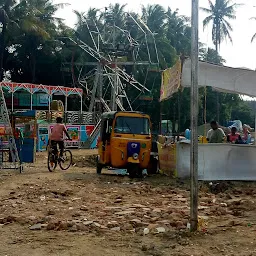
170, 81
2, 131
73, 132
89, 129
43, 138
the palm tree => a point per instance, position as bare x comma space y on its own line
37, 26
178, 32
115, 15
155, 18
210, 55
219, 14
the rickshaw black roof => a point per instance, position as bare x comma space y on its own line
111, 114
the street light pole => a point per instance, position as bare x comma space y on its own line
194, 119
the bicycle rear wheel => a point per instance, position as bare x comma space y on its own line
66, 160
51, 162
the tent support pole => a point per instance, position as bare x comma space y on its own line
255, 130
194, 119
12, 100
66, 108
49, 108
81, 106
31, 101
81, 111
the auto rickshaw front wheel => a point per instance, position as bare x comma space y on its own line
134, 171
99, 166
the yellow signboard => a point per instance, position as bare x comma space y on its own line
170, 81
167, 159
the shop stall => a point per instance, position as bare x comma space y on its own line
25, 127
223, 161
39, 99
34, 95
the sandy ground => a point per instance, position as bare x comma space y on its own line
77, 212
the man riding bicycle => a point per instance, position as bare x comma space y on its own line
57, 136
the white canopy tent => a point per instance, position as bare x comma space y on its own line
223, 78
228, 161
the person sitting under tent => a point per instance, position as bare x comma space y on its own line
187, 134
246, 134
234, 136
216, 134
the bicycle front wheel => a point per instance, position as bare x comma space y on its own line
66, 160
51, 162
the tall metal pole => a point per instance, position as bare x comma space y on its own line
66, 108
94, 89
49, 108
31, 101
12, 101
114, 89
255, 128
81, 105
100, 89
194, 116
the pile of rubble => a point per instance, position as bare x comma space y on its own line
122, 207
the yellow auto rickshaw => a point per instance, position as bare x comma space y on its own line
125, 142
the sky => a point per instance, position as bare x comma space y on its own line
242, 53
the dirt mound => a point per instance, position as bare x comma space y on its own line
85, 161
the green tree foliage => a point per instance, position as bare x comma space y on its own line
178, 32
32, 50
210, 55
33, 41
5, 21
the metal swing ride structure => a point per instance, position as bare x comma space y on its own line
114, 50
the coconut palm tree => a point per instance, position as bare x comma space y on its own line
155, 18
115, 15
219, 14
37, 26
178, 31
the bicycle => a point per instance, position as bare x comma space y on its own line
54, 159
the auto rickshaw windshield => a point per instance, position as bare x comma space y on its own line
132, 125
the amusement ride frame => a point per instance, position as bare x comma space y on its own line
107, 48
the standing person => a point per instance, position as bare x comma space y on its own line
216, 134
57, 136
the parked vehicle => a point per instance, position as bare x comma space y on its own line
125, 142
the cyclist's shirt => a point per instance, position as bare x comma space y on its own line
57, 132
